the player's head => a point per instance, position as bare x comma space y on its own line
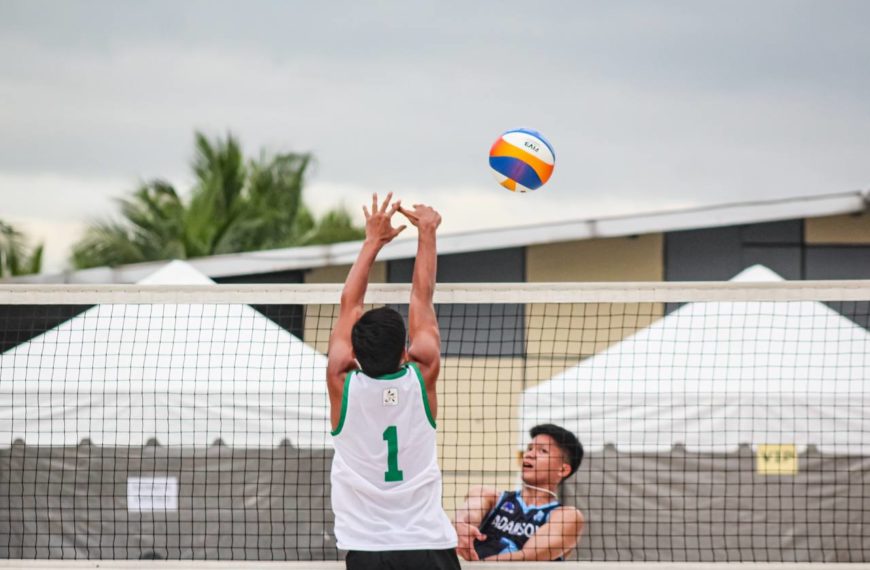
378, 339
553, 455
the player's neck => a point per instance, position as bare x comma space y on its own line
534, 495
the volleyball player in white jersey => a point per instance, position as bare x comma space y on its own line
386, 483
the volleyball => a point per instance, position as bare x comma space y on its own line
522, 160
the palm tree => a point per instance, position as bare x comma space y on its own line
16, 258
233, 206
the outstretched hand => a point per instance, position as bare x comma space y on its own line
423, 216
379, 226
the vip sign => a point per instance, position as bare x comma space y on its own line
776, 459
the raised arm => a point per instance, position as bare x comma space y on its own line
478, 502
425, 338
379, 232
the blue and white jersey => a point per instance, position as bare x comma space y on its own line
511, 523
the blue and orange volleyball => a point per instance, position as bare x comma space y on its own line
522, 160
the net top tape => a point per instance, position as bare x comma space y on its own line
459, 293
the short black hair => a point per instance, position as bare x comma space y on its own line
567, 442
378, 339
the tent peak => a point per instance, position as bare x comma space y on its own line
757, 273
176, 272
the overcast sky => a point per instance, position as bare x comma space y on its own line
649, 105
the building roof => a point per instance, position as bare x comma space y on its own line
310, 257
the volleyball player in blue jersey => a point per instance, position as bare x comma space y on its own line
528, 523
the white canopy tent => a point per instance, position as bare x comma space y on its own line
712, 376
186, 375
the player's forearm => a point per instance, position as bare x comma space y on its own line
474, 509
358, 277
425, 268
467, 516
535, 555
509, 557
478, 502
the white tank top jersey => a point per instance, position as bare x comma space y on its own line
386, 483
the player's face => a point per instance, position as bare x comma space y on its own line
543, 462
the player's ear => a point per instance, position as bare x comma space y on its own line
565, 470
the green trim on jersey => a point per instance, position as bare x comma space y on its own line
337, 430
425, 394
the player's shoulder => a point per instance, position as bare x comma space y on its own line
567, 513
417, 367
484, 492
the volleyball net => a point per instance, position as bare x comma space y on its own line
721, 421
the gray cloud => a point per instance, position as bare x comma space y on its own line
649, 104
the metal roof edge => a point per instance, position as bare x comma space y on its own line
311, 257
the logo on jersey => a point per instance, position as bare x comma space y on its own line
508, 507
539, 516
515, 528
391, 397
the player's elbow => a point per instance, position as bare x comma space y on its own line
545, 552
577, 521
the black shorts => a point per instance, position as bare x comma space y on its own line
403, 560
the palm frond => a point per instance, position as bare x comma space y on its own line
16, 257
34, 261
107, 243
334, 226
271, 206
217, 199
233, 206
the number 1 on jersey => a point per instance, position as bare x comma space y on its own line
392, 474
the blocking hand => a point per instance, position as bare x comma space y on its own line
422, 216
379, 226
467, 534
